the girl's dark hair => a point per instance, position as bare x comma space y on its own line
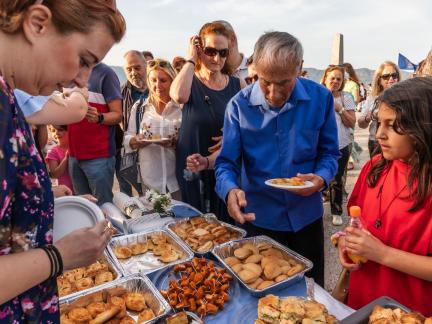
412, 102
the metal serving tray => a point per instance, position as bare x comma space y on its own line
211, 218
147, 262
135, 283
227, 249
362, 315
112, 267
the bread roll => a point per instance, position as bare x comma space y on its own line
254, 258
231, 261
253, 267
242, 253
265, 284
247, 276
271, 271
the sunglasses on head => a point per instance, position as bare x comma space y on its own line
161, 63
387, 76
211, 51
252, 79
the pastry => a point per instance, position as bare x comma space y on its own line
231, 261
106, 315
127, 320
242, 253
138, 248
253, 267
122, 252
79, 314
120, 303
84, 283
265, 284
268, 309
103, 278
146, 315
271, 271
96, 308
135, 302
248, 276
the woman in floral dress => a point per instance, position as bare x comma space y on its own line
48, 54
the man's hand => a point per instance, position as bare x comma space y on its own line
92, 115
315, 179
235, 202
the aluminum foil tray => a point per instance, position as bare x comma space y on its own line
111, 266
146, 263
211, 218
227, 249
135, 283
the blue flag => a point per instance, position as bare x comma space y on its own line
405, 64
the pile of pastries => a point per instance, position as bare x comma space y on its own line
115, 305
156, 243
289, 310
294, 181
202, 288
262, 265
202, 235
381, 315
82, 278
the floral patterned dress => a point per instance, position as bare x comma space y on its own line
26, 211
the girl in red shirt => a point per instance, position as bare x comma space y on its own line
394, 191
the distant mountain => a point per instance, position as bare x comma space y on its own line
365, 75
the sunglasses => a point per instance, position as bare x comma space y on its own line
252, 79
161, 63
387, 76
212, 52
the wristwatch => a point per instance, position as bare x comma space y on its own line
100, 118
340, 112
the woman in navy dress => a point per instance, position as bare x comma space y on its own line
204, 86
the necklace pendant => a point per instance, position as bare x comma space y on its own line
378, 223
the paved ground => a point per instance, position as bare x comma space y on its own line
332, 266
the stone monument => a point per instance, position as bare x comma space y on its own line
337, 57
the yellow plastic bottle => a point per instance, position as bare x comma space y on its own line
355, 221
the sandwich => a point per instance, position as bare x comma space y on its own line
268, 309
292, 308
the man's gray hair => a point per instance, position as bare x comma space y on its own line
278, 49
135, 52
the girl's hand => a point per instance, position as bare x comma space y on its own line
137, 142
196, 162
363, 243
217, 146
343, 256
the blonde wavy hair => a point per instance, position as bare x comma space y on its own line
162, 65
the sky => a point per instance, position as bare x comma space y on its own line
373, 30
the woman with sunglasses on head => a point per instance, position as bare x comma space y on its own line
158, 116
204, 86
394, 192
385, 76
344, 107
45, 45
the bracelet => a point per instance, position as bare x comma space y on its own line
192, 62
208, 163
59, 259
45, 249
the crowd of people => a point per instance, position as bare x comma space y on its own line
209, 129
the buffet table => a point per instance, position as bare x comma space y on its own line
242, 307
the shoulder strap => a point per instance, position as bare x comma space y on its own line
139, 115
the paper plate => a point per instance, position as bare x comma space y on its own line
307, 184
73, 212
160, 140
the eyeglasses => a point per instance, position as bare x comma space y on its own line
251, 79
161, 63
387, 76
211, 51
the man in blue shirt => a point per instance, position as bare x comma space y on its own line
279, 127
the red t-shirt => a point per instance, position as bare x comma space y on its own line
400, 229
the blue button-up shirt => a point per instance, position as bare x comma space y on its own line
261, 143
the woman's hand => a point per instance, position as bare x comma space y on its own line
337, 106
343, 256
137, 142
194, 48
196, 162
363, 243
61, 190
83, 246
218, 145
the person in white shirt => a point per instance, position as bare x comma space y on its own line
344, 107
158, 119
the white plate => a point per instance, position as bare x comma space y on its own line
160, 140
73, 212
307, 184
